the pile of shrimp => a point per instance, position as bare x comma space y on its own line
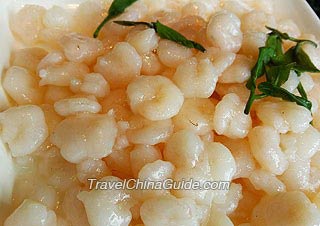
130, 105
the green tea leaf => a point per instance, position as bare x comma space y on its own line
133, 23
274, 42
265, 55
289, 56
271, 90
166, 32
304, 63
117, 8
251, 99
302, 91
282, 35
278, 75
276, 66
285, 36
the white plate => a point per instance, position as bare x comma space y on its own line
297, 10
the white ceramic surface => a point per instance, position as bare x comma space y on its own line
298, 10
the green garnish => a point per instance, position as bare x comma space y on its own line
304, 62
117, 8
301, 91
276, 66
270, 89
166, 32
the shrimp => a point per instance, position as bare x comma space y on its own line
155, 97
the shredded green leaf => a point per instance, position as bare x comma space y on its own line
265, 55
276, 66
278, 75
304, 63
117, 8
285, 36
133, 23
166, 32
302, 92
272, 90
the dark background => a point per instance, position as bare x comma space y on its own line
315, 4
